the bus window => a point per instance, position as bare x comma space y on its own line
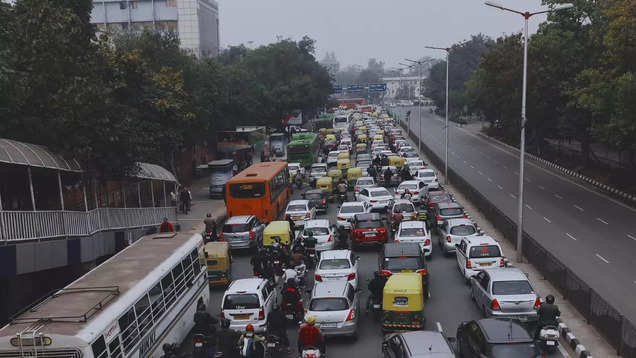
144, 318
179, 281
99, 348
247, 190
128, 326
115, 348
187, 267
156, 301
168, 289
196, 264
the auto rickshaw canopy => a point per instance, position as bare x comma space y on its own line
403, 292
281, 229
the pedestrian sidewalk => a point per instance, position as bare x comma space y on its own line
201, 205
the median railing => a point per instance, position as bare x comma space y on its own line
33, 225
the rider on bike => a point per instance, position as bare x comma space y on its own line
249, 333
291, 296
276, 323
342, 189
376, 286
309, 336
547, 314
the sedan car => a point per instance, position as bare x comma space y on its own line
332, 157
504, 292
317, 198
337, 265
300, 211
379, 198
417, 188
318, 170
452, 231
348, 210
429, 177
363, 183
415, 232
322, 232
445, 211
414, 165
496, 338
363, 156
368, 229
336, 307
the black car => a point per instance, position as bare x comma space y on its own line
495, 338
404, 257
317, 198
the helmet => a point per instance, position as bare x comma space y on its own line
249, 328
310, 233
311, 320
549, 299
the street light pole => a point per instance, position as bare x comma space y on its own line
522, 141
447, 49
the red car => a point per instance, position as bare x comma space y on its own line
368, 229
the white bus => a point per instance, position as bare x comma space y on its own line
341, 121
129, 306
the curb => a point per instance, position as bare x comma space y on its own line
573, 173
570, 339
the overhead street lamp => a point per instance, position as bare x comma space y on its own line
408, 119
522, 145
447, 49
419, 102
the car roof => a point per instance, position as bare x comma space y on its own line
335, 254
352, 203
294, 164
313, 191
425, 170
378, 188
412, 223
447, 205
410, 182
298, 202
506, 274
332, 288
459, 222
367, 216
503, 330
397, 249
245, 284
478, 240
366, 178
403, 201
317, 223
243, 219
427, 344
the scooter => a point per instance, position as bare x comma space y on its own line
272, 346
200, 343
548, 339
374, 305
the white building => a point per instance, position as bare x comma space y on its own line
196, 21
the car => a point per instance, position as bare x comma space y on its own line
300, 211
452, 231
249, 301
410, 155
332, 157
506, 293
348, 210
399, 143
318, 170
363, 183
363, 164
445, 211
346, 141
405, 148
417, 344
436, 197
337, 265
415, 232
404, 257
379, 198
368, 229
414, 165
402, 210
336, 307
477, 253
243, 232
417, 188
343, 148
295, 168
495, 338
317, 198
322, 231
363, 156
429, 177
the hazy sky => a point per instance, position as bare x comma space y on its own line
360, 29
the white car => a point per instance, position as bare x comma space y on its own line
318, 170
477, 253
415, 232
346, 141
300, 211
414, 165
322, 232
378, 198
406, 148
452, 231
417, 188
429, 178
336, 307
363, 183
337, 265
295, 168
332, 157
348, 211
249, 301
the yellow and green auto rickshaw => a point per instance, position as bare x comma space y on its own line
403, 303
335, 175
378, 138
326, 185
219, 263
361, 148
343, 165
353, 174
362, 138
343, 155
395, 161
280, 229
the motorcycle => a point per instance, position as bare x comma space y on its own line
300, 274
200, 349
548, 339
272, 346
293, 311
170, 350
374, 305
342, 197
311, 352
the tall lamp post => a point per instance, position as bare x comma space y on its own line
447, 49
522, 145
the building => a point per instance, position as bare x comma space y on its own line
196, 21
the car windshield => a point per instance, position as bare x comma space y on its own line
333, 154
352, 209
377, 193
230, 228
451, 211
334, 264
439, 198
241, 301
401, 263
413, 231
293, 166
365, 182
340, 119
368, 224
403, 208
485, 251
517, 287
317, 231
407, 186
298, 207
514, 350
329, 304
319, 170
426, 174
463, 230
313, 196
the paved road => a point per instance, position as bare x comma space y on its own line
593, 235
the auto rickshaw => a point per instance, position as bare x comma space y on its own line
331, 131
343, 165
395, 161
326, 185
280, 229
378, 137
403, 303
362, 138
361, 148
335, 174
219, 263
352, 176
343, 155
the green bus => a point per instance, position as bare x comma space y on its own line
304, 149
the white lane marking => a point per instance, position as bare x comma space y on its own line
465, 162
500, 187
489, 180
528, 206
541, 187
602, 258
603, 221
480, 173
631, 237
570, 236
578, 208
558, 196
548, 220
513, 196
472, 166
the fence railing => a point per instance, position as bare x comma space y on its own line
619, 331
33, 225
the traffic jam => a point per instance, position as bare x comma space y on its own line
370, 253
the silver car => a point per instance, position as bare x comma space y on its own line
504, 292
336, 307
322, 232
243, 232
452, 231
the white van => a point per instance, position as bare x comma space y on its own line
476, 253
248, 300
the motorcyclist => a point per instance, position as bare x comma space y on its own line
298, 180
384, 161
226, 338
547, 314
276, 323
406, 173
210, 226
407, 194
387, 176
376, 286
204, 324
292, 295
342, 189
309, 336
343, 237
249, 333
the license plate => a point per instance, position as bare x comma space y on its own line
550, 343
329, 325
198, 345
484, 264
271, 345
376, 306
370, 233
241, 316
296, 217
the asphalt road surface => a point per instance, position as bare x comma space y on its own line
449, 303
592, 234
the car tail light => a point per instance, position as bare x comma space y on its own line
373, 201
318, 278
310, 355
438, 218
340, 218
416, 192
422, 272
469, 264
198, 339
221, 236
385, 273
448, 238
222, 315
465, 216
351, 315
307, 215
251, 235
397, 241
430, 205
494, 305
537, 303
323, 201
329, 239
427, 242
261, 314
351, 276
502, 262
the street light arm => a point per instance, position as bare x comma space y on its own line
418, 62
438, 48
501, 7
555, 8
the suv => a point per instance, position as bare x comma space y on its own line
368, 229
429, 177
477, 253
445, 211
248, 300
243, 232
404, 257
417, 344
317, 198
336, 307
452, 231
495, 338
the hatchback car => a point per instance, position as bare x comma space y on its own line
300, 211
379, 198
318, 170
445, 211
417, 188
363, 183
429, 177
404, 257
414, 165
322, 232
452, 231
248, 301
368, 229
436, 197
417, 344
317, 198
495, 338
337, 265
504, 292
336, 307
243, 232
478, 253
348, 210
415, 232
332, 157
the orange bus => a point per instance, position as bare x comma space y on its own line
351, 103
263, 190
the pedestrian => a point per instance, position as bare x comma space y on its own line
166, 226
